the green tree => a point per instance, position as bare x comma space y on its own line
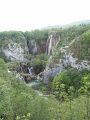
70, 77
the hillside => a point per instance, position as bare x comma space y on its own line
74, 40
45, 74
14, 45
18, 101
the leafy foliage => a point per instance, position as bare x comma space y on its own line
38, 62
37, 35
2, 64
70, 77
81, 47
18, 99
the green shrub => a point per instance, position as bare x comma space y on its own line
70, 77
2, 64
18, 99
38, 63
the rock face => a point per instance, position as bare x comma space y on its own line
52, 41
52, 72
69, 59
35, 48
32, 47
14, 51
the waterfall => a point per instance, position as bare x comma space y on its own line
50, 46
30, 70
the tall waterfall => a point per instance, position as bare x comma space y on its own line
50, 46
52, 41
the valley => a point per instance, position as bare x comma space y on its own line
45, 74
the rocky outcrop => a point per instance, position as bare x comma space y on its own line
52, 42
69, 59
51, 73
14, 51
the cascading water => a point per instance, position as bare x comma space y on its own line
50, 46
30, 70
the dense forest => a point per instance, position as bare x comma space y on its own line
66, 96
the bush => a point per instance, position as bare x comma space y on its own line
70, 77
2, 64
17, 99
38, 63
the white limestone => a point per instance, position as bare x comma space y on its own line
14, 52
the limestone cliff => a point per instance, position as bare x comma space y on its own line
14, 51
